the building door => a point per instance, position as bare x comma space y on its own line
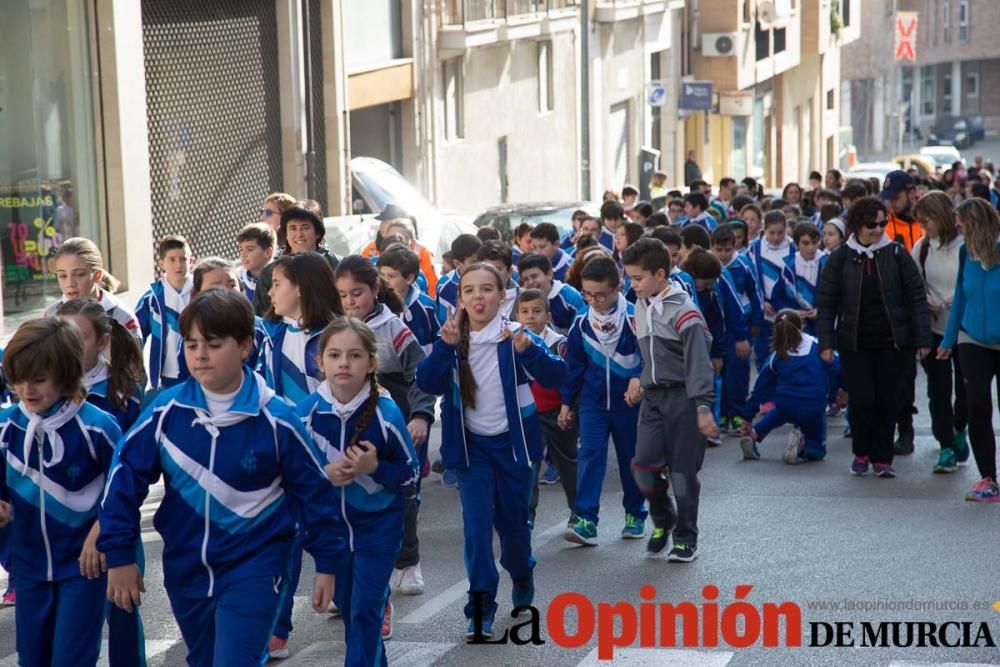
620, 145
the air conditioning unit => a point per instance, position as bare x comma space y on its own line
718, 44
767, 13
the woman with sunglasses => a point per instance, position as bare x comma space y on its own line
872, 309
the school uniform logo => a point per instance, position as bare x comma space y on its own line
249, 463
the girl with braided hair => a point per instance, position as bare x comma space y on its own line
370, 459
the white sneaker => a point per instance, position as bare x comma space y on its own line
411, 581
791, 455
332, 609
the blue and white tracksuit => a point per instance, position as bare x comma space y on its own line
54, 469
248, 282
801, 283
703, 219
797, 387
225, 517
607, 239
598, 376
289, 360
494, 471
768, 265
561, 262
159, 314
423, 315
736, 371
565, 303
447, 294
113, 308
371, 508
686, 282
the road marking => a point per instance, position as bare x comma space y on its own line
667, 657
457, 591
412, 654
906, 663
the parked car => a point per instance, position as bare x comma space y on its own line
870, 170
923, 164
942, 155
977, 129
953, 131
505, 217
376, 184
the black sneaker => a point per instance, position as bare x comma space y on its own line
683, 553
658, 541
904, 444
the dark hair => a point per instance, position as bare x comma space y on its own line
306, 210
496, 251
739, 201
726, 182
534, 260
981, 190
260, 233
739, 223
402, 259
792, 211
723, 235
657, 220
522, 229
675, 194
649, 254
774, 218
574, 275
697, 199
370, 343
837, 176
629, 190
695, 236
787, 332
755, 188
584, 242
784, 191
697, 184
546, 231
753, 208
485, 234
126, 372
675, 201
464, 247
172, 242
602, 270
579, 214
612, 210
805, 229
815, 176
319, 297
829, 212
863, 210
48, 347
360, 268
633, 232
531, 295
854, 189
211, 264
220, 313
466, 380
702, 264
667, 235
643, 208
776, 204
826, 194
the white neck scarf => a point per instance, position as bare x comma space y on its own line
379, 316
493, 332
48, 426
95, 375
608, 326
344, 410
656, 303
557, 285
867, 251
808, 268
213, 424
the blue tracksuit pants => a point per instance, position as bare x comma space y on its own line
809, 418
494, 491
284, 626
126, 641
596, 424
361, 585
232, 628
59, 622
762, 344
735, 384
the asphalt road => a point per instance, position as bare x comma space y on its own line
810, 534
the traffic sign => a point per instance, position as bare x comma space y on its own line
656, 93
695, 95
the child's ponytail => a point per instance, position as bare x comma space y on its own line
368, 413
466, 379
127, 372
787, 332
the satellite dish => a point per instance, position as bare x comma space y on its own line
766, 12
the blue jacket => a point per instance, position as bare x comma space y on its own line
423, 315
710, 305
799, 292
607, 239
55, 504
736, 317
225, 511
291, 379
438, 374
745, 285
565, 303
125, 416
686, 282
154, 318
596, 375
382, 494
447, 294
769, 274
561, 262
798, 383
704, 220
974, 308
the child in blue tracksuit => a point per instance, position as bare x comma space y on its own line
113, 377
802, 273
767, 256
57, 450
398, 267
565, 303
736, 369
225, 547
602, 355
794, 378
159, 311
463, 252
491, 434
370, 459
217, 272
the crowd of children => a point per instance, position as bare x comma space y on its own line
286, 402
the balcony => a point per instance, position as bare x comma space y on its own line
610, 11
470, 23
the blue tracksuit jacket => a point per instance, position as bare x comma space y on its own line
598, 376
154, 320
292, 377
423, 315
561, 262
797, 384
565, 303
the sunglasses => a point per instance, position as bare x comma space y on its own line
267, 213
875, 224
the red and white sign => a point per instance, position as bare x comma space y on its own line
906, 37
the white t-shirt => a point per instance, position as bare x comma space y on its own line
219, 403
490, 414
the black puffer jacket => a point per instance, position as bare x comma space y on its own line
838, 301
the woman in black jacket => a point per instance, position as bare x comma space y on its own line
872, 309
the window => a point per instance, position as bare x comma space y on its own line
762, 40
830, 100
963, 20
972, 85
545, 91
845, 8
452, 79
946, 20
927, 90
946, 107
779, 39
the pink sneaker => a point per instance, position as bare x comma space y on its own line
766, 407
8, 599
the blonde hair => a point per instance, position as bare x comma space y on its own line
90, 255
282, 200
981, 227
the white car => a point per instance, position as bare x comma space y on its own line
877, 170
942, 155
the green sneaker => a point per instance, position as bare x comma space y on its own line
635, 528
735, 426
658, 541
947, 461
582, 532
960, 443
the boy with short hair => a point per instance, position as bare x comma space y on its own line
545, 241
802, 272
602, 355
630, 195
565, 303
399, 267
500, 256
675, 393
256, 245
612, 217
696, 209
463, 252
159, 312
674, 244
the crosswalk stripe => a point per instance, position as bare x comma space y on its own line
639, 657
154, 647
906, 663
411, 654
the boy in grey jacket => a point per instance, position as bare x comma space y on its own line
676, 391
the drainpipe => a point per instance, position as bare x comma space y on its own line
585, 98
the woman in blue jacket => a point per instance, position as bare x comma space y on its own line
491, 433
974, 325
